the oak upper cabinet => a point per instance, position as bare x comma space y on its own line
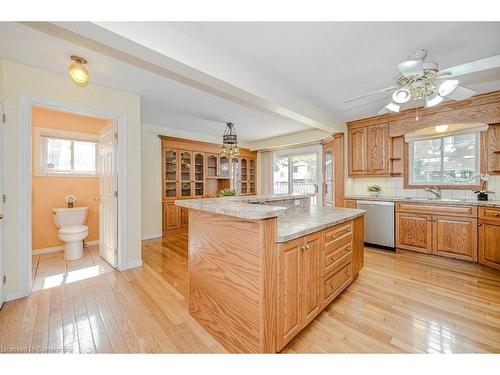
357, 151
414, 232
378, 149
298, 285
455, 237
489, 236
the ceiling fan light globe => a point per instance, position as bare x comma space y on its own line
401, 96
447, 87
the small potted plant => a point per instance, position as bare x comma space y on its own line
227, 193
70, 199
374, 189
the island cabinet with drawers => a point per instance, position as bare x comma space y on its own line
312, 271
449, 231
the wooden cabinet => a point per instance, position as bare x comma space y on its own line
312, 271
492, 145
378, 149
449, 231
489, 236
414, 232
192, 169
455, 237
171, 217
350, 203
298, 285
357, 154
369, 150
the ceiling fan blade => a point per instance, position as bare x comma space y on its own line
411, 68
461, 93
371, 93
487, 63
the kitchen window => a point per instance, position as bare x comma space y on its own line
64, 153
451, 160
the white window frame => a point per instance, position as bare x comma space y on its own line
477, 161
41, 169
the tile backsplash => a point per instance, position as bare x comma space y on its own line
393, 186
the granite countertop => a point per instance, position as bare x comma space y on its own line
299, 223
465, 202
251, 207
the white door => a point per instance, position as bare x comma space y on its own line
2, 179
108, 195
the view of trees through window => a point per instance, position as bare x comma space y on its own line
302, 172
447, 160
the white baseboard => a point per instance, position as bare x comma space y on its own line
55, 249
13, 295
151, 236
134, 264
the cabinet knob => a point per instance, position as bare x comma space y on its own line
307, 247
333, 258
332, 285
496, 214
349, 274
333, 235
479, 225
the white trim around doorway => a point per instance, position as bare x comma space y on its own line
25, 175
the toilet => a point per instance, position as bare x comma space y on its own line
72, 229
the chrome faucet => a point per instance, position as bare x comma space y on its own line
435, 190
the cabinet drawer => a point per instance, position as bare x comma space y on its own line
333, 257
436, 209
333, 285
336, 236
489, 213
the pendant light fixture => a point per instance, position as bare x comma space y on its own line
77, 71
229, 141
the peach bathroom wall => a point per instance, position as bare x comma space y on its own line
49, 192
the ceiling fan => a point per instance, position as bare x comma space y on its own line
422, 81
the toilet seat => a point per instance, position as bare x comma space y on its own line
73, 229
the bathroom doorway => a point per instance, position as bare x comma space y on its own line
74, 196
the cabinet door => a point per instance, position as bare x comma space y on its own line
235, 174
455, 237
489, 245
378, 149
328, 183
288, 291
184, 212
357, 151
170, 173
349, 203
309, 278
251, 169
212, 165
171, 219
224, 166
414, 232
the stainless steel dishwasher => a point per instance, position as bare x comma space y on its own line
379, 222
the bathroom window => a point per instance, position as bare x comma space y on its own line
63, 153
448, 160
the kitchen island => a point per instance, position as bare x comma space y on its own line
262, 267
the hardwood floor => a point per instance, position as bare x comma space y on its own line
405, 302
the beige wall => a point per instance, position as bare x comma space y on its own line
19, 79
49, 191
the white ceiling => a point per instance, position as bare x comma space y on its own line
164, 102
321, 64
324, 63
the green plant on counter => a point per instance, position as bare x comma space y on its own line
374, 188
227, 193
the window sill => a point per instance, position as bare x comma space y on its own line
66, 175
443, 187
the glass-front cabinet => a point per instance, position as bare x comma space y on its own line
170, 170
244, 176
212, 165
251, 178
186, 173
235, 174
224, 166
199, 174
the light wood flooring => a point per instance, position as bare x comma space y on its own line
404, 302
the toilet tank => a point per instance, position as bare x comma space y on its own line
64, 217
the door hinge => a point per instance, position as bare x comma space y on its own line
4, 198
4, 279
116, 136
116, 194
4, 118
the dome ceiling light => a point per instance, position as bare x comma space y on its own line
77, 71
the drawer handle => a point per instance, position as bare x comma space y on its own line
348, 230
334, 236
332, 285
349, 274
496, 214
333, 258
